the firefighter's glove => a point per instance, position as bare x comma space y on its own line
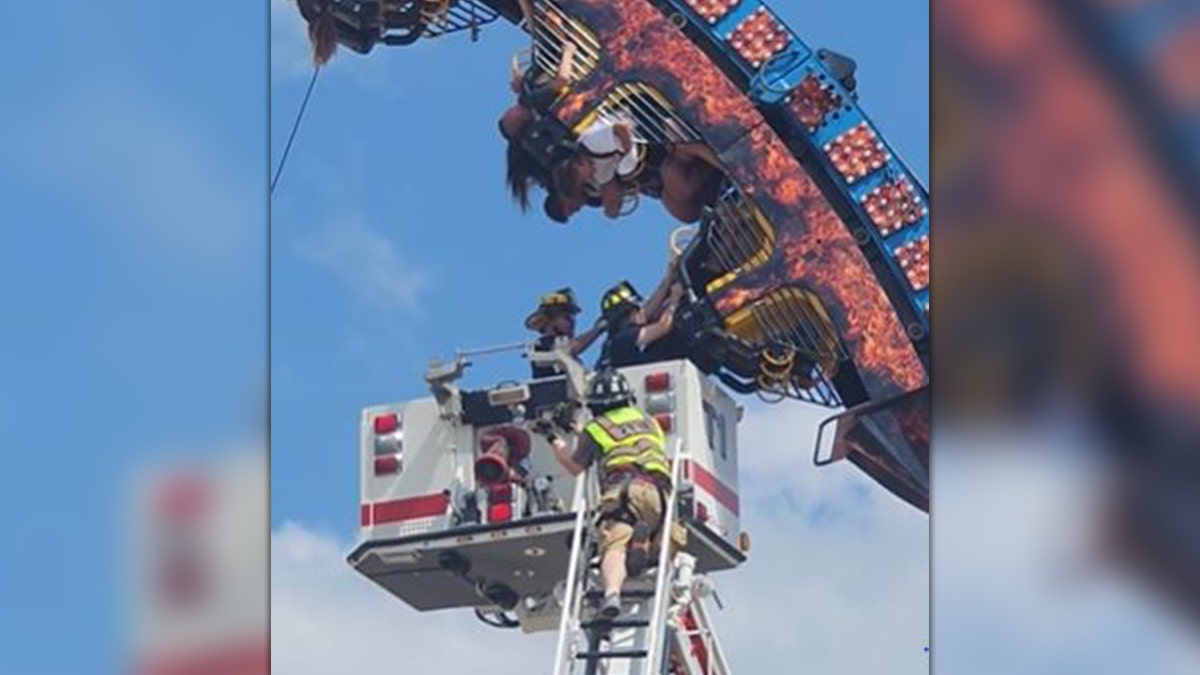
565, 419
543, 427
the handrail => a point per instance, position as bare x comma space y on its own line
761, 82
498, 349
569, 601
658, 614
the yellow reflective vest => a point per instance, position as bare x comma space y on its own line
629, 437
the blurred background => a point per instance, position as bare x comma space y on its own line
133, 337
1066, 169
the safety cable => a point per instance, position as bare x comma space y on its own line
295, 127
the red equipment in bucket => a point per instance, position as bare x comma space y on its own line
502, 450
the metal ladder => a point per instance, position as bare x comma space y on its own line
663, 628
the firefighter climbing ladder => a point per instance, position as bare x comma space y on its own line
663, 628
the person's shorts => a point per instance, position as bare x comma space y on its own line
645, 502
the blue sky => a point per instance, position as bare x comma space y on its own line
134, 290
393, 239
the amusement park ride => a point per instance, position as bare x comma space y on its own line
806, 279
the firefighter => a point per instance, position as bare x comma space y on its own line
629, 448
554, 319
641, 333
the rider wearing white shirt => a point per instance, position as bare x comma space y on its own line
610, 147
610, 155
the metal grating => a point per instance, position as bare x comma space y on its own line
737, 236
821, 392
795, 317
653, 117
552, 30
458, 15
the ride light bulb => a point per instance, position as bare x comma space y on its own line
893, 205
857, 153
758, 38
712, 10
914, 260
812, 101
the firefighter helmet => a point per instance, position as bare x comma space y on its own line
608, 389
561, 301
618, 300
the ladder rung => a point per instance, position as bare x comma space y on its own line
617, 654
616, 623
636, 594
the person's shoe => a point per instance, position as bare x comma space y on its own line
637, 559
611, 608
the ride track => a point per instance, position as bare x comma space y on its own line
848, 223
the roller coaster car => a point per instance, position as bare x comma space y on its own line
361, 24
782, 344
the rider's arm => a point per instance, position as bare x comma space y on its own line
665, 322
655, 302
624, 136
698, 150
578, 462
610, 198
563, 76
581, 342
527, 13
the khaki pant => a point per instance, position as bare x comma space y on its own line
645, 503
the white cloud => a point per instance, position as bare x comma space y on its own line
367, 264
326, 618
837, 595
838, 577
1020, 587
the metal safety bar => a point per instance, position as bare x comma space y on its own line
551, 30
653, 117
735, 235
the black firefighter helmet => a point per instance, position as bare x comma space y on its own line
608, 389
